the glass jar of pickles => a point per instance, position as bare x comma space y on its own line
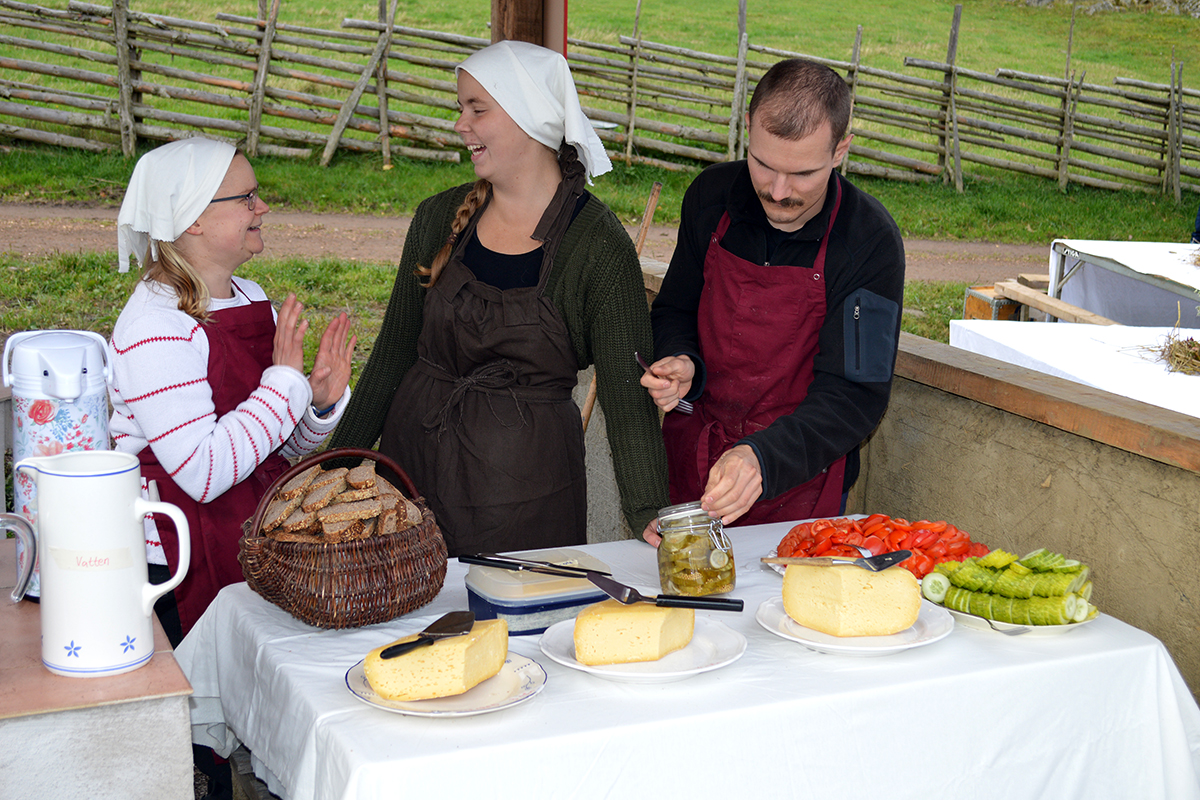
695, 557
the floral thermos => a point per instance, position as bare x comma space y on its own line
60, 404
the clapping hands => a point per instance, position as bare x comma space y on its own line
331, 368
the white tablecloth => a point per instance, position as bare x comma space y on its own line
1134, 283
1115, 358
1099, 712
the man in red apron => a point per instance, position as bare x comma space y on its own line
779, 315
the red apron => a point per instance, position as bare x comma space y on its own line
758, 328
240, 346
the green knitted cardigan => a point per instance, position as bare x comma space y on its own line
596, 284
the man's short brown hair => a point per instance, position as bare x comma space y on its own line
795, 97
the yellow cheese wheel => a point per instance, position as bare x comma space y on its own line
851, 601
609, 632
447, 667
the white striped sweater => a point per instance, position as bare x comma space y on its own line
161, 397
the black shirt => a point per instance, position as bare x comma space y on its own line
864, 290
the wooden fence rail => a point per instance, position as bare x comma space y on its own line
103, 77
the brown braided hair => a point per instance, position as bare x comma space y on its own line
470, 205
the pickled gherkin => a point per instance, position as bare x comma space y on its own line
694, 557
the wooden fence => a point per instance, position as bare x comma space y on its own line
100, 77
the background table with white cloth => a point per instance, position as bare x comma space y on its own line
1101, 711
1133, 283
1116, 358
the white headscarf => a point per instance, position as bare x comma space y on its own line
171, 186
534, 86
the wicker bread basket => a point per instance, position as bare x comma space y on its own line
346, 584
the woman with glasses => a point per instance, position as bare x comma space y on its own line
506, 288
208, 385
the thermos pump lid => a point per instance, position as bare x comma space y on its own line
60, 364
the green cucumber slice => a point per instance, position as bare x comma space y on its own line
934, 587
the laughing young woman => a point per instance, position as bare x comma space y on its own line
208, 388
506, 289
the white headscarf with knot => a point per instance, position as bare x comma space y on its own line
171, 186
534, 86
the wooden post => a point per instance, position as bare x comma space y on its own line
258, 93
1071, 102
381, 98
737, 107
948, 138
1172, 155
124, 77
635, 58
854, 57
519, 20
351, 102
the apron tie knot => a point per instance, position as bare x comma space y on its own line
494, 375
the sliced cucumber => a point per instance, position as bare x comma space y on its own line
934, 587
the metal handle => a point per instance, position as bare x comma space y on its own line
710, 603
404, 647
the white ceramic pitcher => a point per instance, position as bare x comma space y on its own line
96, 599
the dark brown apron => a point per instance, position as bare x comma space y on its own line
484, 422
240, 347
759, 327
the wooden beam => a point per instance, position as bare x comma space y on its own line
1145, 430
1051, 305
518, 20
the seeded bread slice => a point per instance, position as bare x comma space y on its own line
361, 509
391, 502
412, 512
321, 496
340, 531
361, 476
368, 530
328, 476
385, 487
296, 486
299, 521
279, 510
285, 536
350, 495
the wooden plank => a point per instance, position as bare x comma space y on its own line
1051, 305
1035, 280
1145, 430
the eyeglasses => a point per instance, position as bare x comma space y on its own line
251, 198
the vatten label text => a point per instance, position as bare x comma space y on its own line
91, 560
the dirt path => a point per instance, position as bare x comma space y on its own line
39, 229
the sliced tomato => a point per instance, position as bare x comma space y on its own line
876, 545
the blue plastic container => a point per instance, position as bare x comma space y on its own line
530, 602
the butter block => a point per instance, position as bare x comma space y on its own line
851, 601
447, 667
609, 632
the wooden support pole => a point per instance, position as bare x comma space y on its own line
948, 137
736, 147
635, 58
381, 75
254, 120
854, 58
519, 20
124, 78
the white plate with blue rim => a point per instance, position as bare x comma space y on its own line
518, 680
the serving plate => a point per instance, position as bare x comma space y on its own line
933, 624
518, 680
714, 645
981, 624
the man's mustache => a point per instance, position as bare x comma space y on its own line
787, 202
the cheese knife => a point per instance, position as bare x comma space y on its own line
488, 560
456, 623
627, 595
874, 563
